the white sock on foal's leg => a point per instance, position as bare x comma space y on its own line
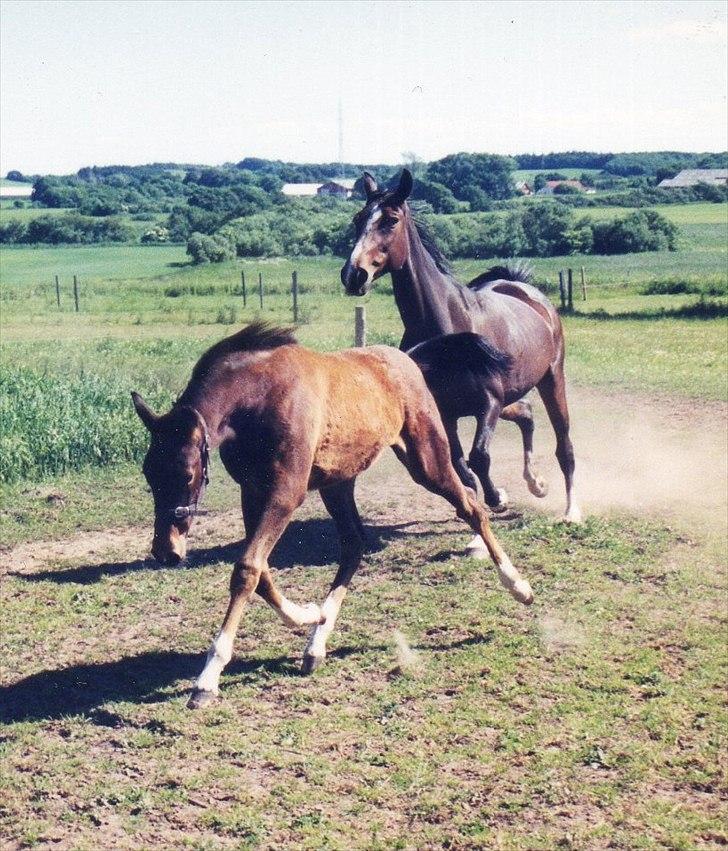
219, 654
315, 651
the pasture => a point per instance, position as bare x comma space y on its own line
595, 719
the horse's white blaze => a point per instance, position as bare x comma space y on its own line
320, 634
294, 615
219, 654
358, 248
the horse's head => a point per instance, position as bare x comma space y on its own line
381, 235
176, 468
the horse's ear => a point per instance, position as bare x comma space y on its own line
402, 192
146, 414
370, 186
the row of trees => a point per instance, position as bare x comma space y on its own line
540, 230
67, 229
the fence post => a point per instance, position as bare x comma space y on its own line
260, 288
570, 290
583, 285
58, 293
294, 290
562, 292
75, 291
360, 325
242, 280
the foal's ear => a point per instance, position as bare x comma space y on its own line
370, 186
402, 192
146, 414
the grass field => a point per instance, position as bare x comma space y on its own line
594, 720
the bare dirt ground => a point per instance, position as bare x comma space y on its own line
652, 456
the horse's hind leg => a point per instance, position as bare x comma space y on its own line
479, 459
552, 388
425, 453
267, 517
339, 502
457, 456
521, 413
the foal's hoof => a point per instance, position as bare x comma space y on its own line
199, 699
520, 590
310, 663
538, 487
476, 548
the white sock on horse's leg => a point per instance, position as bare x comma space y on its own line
294, 615
316, 646
535, 483
573, 512
219, 654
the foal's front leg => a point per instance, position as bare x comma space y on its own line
339, 501
250, 572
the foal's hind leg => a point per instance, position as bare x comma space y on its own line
251, 573
457, 456
424, 451
521, 413
552, 388
339, 502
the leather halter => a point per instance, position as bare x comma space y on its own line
181, 512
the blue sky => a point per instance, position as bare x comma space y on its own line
101, 82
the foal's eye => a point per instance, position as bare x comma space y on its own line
388, 223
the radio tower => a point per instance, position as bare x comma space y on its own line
341, 141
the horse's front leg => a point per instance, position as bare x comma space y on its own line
251, 573
339, 502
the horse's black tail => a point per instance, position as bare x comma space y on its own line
458, 353
519, 270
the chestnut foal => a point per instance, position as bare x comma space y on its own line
287, 420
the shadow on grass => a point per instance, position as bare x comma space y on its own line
309, 543
146, 679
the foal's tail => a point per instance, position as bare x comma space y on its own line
459, 353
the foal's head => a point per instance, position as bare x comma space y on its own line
176, 468
381, 235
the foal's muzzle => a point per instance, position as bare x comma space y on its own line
354, 280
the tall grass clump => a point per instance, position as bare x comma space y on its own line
53, 424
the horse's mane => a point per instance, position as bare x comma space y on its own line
520, 270
256, 337
430, 245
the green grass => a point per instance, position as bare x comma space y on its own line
679, 214
571, 724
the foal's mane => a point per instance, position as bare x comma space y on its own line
256, 337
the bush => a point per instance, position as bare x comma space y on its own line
68, 229
210, 249
643, 230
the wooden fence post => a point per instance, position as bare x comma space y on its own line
242, 281
260, 288
360, 325
75, 291
294, 290
570, 290
58, 293
583, 285
562, 293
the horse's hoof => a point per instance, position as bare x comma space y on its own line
476, 548
502, 503
310, 663
522, 592
538, 487
199, 699
573, 516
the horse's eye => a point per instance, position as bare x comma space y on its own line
388, 223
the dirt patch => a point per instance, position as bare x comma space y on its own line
646, 455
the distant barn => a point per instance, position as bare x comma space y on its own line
339, 188
693, 176
551, 185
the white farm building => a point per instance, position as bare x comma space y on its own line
693, 176
341, 187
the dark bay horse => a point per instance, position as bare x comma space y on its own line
510, 337
287, 420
